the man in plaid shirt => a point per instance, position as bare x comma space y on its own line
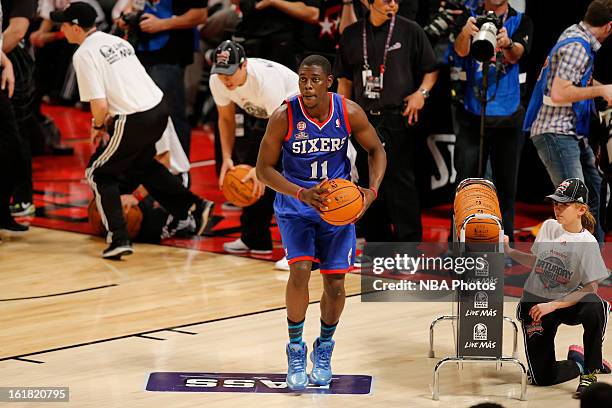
561, 103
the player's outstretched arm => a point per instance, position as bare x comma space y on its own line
269, 154
366, 136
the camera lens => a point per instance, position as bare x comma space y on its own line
483, 45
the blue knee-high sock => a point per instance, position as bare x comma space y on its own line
295, 331
327, 331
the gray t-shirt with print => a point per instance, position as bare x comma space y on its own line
565, 262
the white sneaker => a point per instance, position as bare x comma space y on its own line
239, 247
282, 264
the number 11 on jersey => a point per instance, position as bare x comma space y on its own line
315, 169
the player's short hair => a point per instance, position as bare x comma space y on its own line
318, 61
599, 13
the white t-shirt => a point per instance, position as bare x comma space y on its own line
565, 262
268, 84
106, 67
169, 142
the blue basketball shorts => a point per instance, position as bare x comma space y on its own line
307, 239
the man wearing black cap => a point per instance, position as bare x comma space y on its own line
258, 87
125, 102
562, 289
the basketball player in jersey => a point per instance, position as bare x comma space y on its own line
312, 131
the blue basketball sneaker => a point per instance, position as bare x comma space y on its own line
321, 359
296, 374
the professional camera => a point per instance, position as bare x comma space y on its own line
444, 20
132, 20
485, 41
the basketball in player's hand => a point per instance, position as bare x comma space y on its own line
237, 192
133, 220
346, 202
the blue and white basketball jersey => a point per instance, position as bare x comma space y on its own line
313, 151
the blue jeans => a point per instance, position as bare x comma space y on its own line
565, 157
170, 79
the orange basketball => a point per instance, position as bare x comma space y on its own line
346, 202
485, 230
95, 221
477, 196
237, 192
133, 220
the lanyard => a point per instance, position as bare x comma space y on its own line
366, 64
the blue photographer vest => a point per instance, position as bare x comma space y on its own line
506, 89
582, 109
155, 42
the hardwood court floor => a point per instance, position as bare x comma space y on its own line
163, 287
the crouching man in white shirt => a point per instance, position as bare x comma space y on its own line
129, 117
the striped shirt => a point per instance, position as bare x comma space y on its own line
570, 62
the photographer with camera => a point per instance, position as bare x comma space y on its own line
562, 101
165, 40
386, 64
492, 42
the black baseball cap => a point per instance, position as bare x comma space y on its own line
79, 13
572, 190
227, 58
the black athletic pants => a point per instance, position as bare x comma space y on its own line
12, 163
255, 219
503, 144
395, 216
27, 124
130, 153
591, 312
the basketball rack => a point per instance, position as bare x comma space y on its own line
455, 317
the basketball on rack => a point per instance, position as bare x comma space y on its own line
477, 196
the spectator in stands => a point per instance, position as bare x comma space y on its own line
559, 111
55, 75
276, 39
504, 138
322, 37
166, 40
401, 48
